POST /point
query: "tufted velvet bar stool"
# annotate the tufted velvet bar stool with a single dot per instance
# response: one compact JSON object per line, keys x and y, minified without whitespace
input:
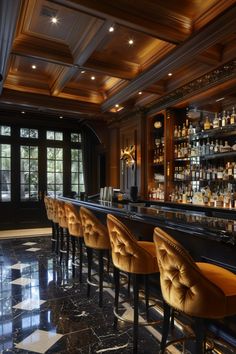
{"x":63,"y":227}
{"x":48,"y":202}
{"x":137,"y":258}
{"x":200,"y":290}
{"x":95,"y":238}
{"x":76,"y":232}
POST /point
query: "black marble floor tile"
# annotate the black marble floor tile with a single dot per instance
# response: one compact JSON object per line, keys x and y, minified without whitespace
{"x":84,"y":326}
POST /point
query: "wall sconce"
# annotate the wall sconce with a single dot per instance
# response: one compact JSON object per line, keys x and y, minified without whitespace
{"x":128,"y":155}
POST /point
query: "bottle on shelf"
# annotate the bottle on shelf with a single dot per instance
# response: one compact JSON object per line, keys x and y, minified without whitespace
{"x":232,"y":117}
{"x":224,"y":119}
{"x":216,"y":121}
{"x":207,"y":124}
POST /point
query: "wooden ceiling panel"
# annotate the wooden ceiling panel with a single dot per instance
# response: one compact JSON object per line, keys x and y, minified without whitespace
{"x":187,"y":38}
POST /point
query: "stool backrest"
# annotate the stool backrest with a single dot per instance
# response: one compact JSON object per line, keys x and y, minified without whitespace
{"x":127,"y":254}
{"x":61,"y":214}
{"x":183,"y":285}
{"x":49,"y":207}
{"x":95,"y":233}
{"x":73,"y":220}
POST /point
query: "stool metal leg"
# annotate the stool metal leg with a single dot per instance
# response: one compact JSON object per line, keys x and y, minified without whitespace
{"x":61,"y":231}
{"x":117,"y":291}
{"x":166,"y":325}
{"x":89,"y":257}
{"x":200,"y":336}
{"x":101,"y":266}
{"x":146,"y":282}
{"x":136,"y":303}
{"x":80,"y":258}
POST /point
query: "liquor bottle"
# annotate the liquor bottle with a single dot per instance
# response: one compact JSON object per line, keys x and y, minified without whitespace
{"x":203,"y":148}
{"x":207,"y":124}
{"x":183,"y":132}
{"x":232,"y":117}
{"x":179,"y":132}
{"x":215,"y":122}
{"x":216,"y":147}
{"x":220,"y":121}
{"x":212,"y":148}
{"x":208,"y":147}
{"x":228,"y":119}
{"x":224,"y":119}
{"x":176,"y":132}
{"x":190,"y":129}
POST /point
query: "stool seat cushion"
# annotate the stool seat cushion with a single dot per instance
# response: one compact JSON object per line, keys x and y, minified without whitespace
{"x":128,"y":254}
{"x":73,"y":220}
{"x":95,"y":233}
{"x":225,"y":280}
{"x":196,"y":289}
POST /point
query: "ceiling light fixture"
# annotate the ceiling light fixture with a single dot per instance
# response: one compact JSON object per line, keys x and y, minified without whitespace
{"x":82,"y":71}
{"x":220,"y":99}
{"x":22,"y":112}
{"x":116,"y":105}
{"x":111,"y":29}
{"x":140,"y":93}
{"x":92,"y":77}
{"x":33,"y":67}
{"x":170,"y":74}
{"x":61,"y":117}
{"x":131,"y":41}
{"x":54,"y":20}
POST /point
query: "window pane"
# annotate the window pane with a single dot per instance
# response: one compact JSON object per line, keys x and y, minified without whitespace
{"x":74,"y":167}
{"x":55,"y":171}
{"x":75,"y":188}
{"x":58,"y":136}
{"x":34,"y":133}
{"x":5,"y":172}
{"x":81,"y":178}
{"x":50,"y":135}
{"x":5,"y":130}
{"x":51,"y":153}
{"x":24,"y":152}
{"x":24,"y":133}
{"x":74,"y":154}
{"x":76,"y":138}
{"x":29,"y":172}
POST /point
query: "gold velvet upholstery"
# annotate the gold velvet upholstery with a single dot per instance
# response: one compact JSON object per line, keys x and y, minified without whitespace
{"x":73,"y":220}
{"x":55,"y":217}
{"x":49,"y":207}
{"x":94,"y":232}
{"x":197,"y":289}
{"x":61,"y":214}
{"x":128,"y":254}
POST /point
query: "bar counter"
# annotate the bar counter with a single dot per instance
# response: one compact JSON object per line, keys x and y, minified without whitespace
{"x":208,"y":239}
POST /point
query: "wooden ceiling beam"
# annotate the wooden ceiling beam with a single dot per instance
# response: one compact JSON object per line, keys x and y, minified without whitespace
{"x":9,"y":12}
{"x":212,"y":34}
{"x":47,"y":103}
{"x":67,"y":74}
{"x":149,"y":21}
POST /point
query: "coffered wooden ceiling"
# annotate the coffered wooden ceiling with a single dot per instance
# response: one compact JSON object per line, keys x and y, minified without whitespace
{"x":186,"y":38}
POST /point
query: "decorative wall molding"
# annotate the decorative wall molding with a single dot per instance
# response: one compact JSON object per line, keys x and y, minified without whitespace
{"x":203,"y":83}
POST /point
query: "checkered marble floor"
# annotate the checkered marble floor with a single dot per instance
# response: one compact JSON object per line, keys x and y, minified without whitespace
{"x":45,"y":309}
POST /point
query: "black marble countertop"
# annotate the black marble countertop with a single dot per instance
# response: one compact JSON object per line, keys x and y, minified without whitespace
{"x":193,"y":222}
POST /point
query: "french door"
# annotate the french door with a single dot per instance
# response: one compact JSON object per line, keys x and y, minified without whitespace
{"x":35,"y":162}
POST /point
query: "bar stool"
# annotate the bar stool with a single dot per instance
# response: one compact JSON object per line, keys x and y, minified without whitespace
{"x":48,"y":202}
{"x":200,"y":290}
{"x":133,"y":257}
{"x":76,"y":232}
{"x":63,"y":228}
{"x":55,"y":220}
{"x":95,"y":238}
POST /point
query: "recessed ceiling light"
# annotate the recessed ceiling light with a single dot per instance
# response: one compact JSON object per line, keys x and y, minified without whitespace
{"x":170,"y":74}
{"x":92,"y":77}
{"x":111,"y":29}
{"x":54,"y":20}
{"x":61,"y":117}
{"x":22,"y":112}
{"x":140,"y":93}
{"x":82,"y":71}
{"x":131,"y":41}
{"x":116,"y":105}
{"x":33,"y":67}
